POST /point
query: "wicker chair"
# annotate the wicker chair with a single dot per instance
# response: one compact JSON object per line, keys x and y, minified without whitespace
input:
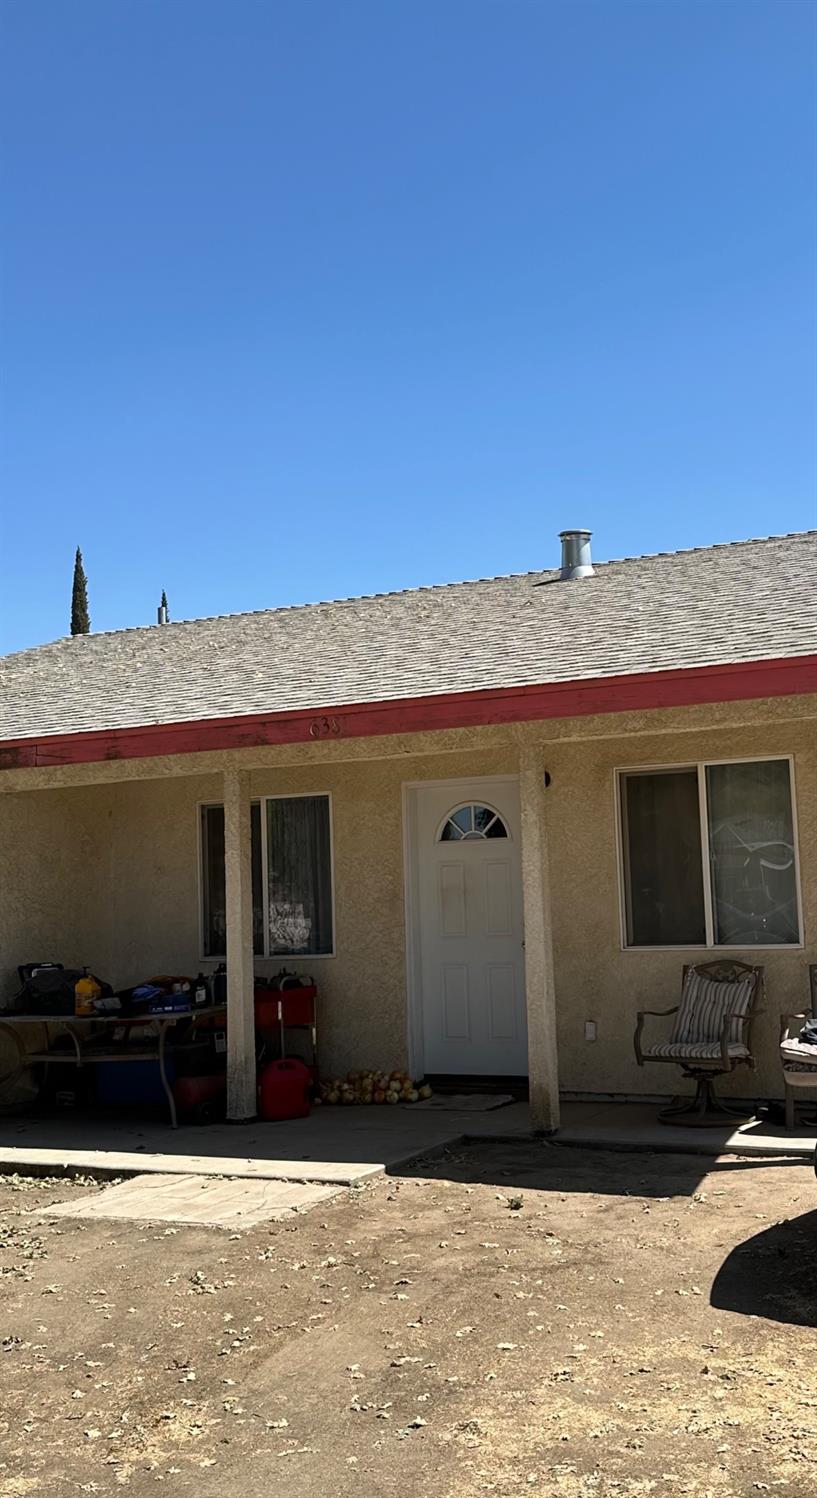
{"x":799,"y":1061}
{"x":711,"y":1037}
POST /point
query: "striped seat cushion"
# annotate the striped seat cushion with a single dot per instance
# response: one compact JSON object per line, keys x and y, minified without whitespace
{"x":694,"y":1050}
{"x":705,"y":1003}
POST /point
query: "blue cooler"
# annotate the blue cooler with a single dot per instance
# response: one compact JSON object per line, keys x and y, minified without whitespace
{"x":133,"y":1083}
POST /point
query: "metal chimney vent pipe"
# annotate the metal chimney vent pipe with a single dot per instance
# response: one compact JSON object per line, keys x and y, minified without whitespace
{"x":576,"y":560}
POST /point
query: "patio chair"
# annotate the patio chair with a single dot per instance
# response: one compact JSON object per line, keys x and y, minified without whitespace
{"x":798,"y":1059}
{"x":711,"y":1036}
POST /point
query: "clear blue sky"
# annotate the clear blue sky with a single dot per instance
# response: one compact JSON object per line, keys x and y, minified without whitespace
{"x":304,"y":299}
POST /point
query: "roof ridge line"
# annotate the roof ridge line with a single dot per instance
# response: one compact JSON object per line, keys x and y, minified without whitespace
{"x":322,"y":603}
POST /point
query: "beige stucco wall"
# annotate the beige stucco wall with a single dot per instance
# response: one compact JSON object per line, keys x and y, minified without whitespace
{"x":107,"y":873}
{"x":595,"y":979}
{"x":55,"y":889}
{"x":146,"y":860}
{"x":363,"y":987}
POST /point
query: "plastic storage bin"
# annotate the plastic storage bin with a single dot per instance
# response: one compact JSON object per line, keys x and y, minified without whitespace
{"x":297,"y":1004}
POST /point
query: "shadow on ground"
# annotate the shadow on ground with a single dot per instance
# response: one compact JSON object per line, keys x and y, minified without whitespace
{"x":772,"y":1274}
{"x":540,"y":1166}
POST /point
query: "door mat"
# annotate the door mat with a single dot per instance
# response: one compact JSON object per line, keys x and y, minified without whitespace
{"x":466,"y":1102}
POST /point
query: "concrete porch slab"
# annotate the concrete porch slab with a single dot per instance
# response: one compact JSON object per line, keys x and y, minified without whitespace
{"x":116,"y":1162}
{"x":196,"y":1201}
{"x":334,"y":1147}
{"x":635,"y":1126}
{"x":348,"y":1146}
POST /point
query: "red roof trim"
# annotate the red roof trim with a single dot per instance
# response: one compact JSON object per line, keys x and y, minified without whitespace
{"x":567,"y":699}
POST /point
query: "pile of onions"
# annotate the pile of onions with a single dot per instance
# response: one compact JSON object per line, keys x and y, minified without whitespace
{"x":372,"y":1087}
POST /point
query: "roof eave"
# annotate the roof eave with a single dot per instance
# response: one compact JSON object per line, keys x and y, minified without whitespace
{"x":777,"y":677}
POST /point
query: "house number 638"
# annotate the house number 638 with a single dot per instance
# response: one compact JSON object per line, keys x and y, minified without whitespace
{"x":324,"y":728}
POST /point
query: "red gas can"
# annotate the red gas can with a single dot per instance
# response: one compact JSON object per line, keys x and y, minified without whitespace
{"x":283,"y":1090}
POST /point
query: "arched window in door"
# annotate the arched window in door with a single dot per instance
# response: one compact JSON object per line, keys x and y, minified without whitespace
{"x":471,"y":822}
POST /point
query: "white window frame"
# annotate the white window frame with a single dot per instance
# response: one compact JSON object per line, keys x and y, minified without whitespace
{"x":267,"y":955}
{"x":700,"y":767}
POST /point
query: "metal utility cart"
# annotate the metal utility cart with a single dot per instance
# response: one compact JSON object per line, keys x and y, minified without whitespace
{"x":280,"y":1010}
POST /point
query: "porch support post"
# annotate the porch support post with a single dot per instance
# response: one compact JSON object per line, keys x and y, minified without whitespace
{"x":540,"y":991}
{"x":241,"y":1094}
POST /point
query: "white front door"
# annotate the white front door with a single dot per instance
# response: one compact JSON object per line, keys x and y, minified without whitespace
{"x":471,"y":965}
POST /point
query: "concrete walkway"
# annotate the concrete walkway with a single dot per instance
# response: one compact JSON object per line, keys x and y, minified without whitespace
{"x":345,"y":1147}
{"x":196,"y":1201}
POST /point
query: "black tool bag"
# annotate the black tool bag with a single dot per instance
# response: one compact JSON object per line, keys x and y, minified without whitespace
{"x":49,"y":989}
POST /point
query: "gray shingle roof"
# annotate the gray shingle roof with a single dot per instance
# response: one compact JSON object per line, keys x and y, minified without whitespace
{"x":749,"y":600}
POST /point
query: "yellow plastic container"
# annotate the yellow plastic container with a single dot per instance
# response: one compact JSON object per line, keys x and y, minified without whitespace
{"x":86,"y":992}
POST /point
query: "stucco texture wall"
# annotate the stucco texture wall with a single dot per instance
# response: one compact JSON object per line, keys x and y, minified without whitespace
{"x":594,"y":978}
{"x":107,"y":874}
{"x":128,"y":903}
{"x":55,"y":889}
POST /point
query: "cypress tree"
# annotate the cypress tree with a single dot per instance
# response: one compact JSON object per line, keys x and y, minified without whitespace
{"x":165,"y":607}
{"x":80,"y":619}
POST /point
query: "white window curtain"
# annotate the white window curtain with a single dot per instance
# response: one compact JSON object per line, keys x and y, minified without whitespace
{"x":751,"y":853}
{"x":299,"y":876}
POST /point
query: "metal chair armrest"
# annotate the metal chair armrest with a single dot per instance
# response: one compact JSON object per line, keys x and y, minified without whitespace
{"x":640,"y":1018}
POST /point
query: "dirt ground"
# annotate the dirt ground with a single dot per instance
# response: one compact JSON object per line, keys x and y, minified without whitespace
{"x":511,"y":1318}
